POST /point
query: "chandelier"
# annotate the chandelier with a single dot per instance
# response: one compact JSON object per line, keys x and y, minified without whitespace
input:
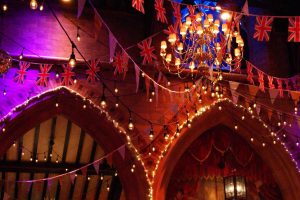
{"x":199,"y":44}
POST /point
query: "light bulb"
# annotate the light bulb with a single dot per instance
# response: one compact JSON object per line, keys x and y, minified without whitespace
{"x":41,"y":7}
{"x":72,"y":60}
{"x":4,"y":92}
{"x":151,"y":134}
{"x":33,"y":4}
{"x":4,"y":7}
{"x":103,"y":102}
{"x":116,"y":90}
{"x":130,"y":125}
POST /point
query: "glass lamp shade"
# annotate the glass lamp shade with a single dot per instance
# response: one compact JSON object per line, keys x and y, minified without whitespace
{"x":235,"y":188}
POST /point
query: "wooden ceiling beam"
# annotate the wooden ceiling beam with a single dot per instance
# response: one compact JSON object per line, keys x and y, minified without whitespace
{"x":51,"y":168}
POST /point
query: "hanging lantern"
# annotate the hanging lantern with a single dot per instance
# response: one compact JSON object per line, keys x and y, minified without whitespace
{"x":235,"y":188}
{"x":5,"y":61}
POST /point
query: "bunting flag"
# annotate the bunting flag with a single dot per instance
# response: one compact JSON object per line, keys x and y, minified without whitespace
{"x":147,"y":51}
{"x":21,"y":73}
{"x":72,"y":177}
{"x":43,"y":76}
{"x":147,"y":84}
{"x":28,"y":188}
{"x":245,"y":8}
{"x":295,"y":96}
{"x":49,"y":183}
{"x":96,"y":166}
{"x":92,"y":71}
{"x":137,"y":77}
{"x":269,"y":113}
{"x":191,"y":9}
{"x":253,"y":91}
{"x":138,"y":5}
{"x":176,"y":13}
{"x":118,"y":63}
{"x":171,"y":29}
{"x":294,"y":83}
{"x":235,"y":96}
{"x":273,"y":94}
{"x":263,"y":27}
{"x":67,"y":76}
{"x":160,"y":11}
{"x":279,"y":86}
{"x":233,"y":85}
{"x":294,"y":29}
{"x":112,"y":46}
{"x":261,"y":80}
{"x":270,"y":80}
{"x":97,"y":24}
{"x":125,"y":63}
{"x":122,"y":151}
{"x":109,"y":159}
{"x":258,"y":108}
{"x":81,"y":4}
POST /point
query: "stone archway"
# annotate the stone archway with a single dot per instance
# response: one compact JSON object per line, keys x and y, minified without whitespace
{"x":275,"y":156}
{"x":90,"y":120}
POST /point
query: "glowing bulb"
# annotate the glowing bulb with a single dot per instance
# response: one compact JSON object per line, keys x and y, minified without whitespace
{"x":116,"y":90}
{"x":235,"y":127}
{"x":41,"y":7}
{"x":130,"y":125}
{"x":33,"y":4}
{"x":103,"y":102}
{"x":4,"y":7}
{"x":4,"y":92}
{"x":252,"y":139}
{"x":72,"y":60}
{"x":151,"y":134}
{"x":163,"y":45}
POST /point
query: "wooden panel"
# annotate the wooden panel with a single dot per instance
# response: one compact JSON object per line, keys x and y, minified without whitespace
{"x":104,"y":192}
{"x":65,"y":189}
{"x":12,"y":153}
{"x":28,"y":144}
{"x":92,"y":187}
{"x":73,"y":143}
{"x":99,"y":153}
{"x":78,"y":187}
{"x":23,"y":189}
{"x":87,"y":148}
{"x":9,"y":187}
{"x":44,"y":137}
{"x":60,"y":134}
{"x":37,"y":188}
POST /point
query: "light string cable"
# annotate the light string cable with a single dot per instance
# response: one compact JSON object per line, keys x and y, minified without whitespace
{"x":100,"y":78}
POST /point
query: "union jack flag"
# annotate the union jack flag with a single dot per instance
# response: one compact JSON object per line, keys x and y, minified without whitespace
{"x":139,"y":5}
{"x":44,"y":74}
{"x":171,"y":29}
{"x":191,"y":9}
{"x":294,"y":29}
{"x":176,"y":13}
{"x":118,"y":63}
{"x":67,"y":76}
{"x":92,"y":71}
{"x":263,"y":27}
{"x":161,"y":11}
{"x":147,"y":51}
{"x":21,"y":73}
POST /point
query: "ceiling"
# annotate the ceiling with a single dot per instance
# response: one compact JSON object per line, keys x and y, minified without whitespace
{"x":73,"y":148}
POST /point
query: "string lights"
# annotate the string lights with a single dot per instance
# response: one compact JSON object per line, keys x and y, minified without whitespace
{"x":72,"y":59}
{"x":33,"y":4}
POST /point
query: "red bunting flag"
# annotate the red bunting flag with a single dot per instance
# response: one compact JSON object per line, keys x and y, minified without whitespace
{"x":92,"y":71}
{"x":191,"y":9}
{"x":261,"y":80}
{"x":21,"y":73}
{"x":122,"y":151}
{"x":171,"y":29}
{"x":263,"y":27}
{"x":294,"y":29}
{"x":67,"y":76}
{"x":279,"y":86}
{"x":147,"y":51}
{"x":96,"y":166}
{"x":249,"y":72}
{"x":138,"y":5}
{"x":60,"y":180}
{"x":118,"y":63}
{"x":271,"y":85}
{"x":72,"y":177}
{"x":176,"y":13}
{"x":160,"y":11}
{"x":44,"y":74}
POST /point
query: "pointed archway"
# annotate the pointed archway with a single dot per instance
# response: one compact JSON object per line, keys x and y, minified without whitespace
{"x":90,"y":119}
{"x":275,"y":156}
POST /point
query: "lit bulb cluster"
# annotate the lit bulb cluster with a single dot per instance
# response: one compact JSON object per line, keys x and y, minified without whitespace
{"x":196,"y":46}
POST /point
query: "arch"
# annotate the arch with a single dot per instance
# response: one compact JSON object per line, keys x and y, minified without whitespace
{"x":275,"y":156}
{"x":90,"y":120}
